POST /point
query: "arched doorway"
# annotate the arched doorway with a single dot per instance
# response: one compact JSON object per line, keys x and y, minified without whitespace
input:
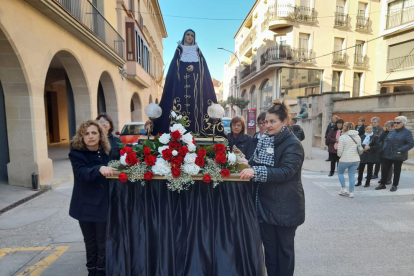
{"x":156,"y":101}
{"x":253,"y":97}
{"x":101,"y":99}
{"x":4,"y":149}
{"x":107,"y":100}
{"x":136,"y":108}
{"x":150,"y":99}
{"x":266,"y":95}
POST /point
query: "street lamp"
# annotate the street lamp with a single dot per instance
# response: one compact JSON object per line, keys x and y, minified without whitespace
{"x":238,"y":71}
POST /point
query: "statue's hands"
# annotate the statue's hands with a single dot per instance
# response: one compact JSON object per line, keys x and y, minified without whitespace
{"x":190,"y":68}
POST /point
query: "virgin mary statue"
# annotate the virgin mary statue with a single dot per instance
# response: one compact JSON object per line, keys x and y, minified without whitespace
{"x":188,"y":91}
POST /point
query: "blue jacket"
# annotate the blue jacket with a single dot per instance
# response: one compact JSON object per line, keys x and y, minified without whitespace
{"x":397,"y":144}
{"x":115,"y":155}
{"x":90,"y":191}
{"x":244,"y":143}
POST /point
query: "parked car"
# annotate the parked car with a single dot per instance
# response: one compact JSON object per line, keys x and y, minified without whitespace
{"x":131,"y":132}
{"x":226,"y":124}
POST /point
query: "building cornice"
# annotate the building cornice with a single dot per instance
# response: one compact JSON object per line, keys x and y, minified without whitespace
{"x":247,"y":18}
{"x":160,"y":18}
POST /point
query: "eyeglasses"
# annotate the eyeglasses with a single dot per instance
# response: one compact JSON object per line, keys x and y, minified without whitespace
{"x":397,"y":123}
{"x":103,"y":122}
{"x":262,"y":124}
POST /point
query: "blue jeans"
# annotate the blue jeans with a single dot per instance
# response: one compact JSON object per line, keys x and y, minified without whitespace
{"x":352,"y":167}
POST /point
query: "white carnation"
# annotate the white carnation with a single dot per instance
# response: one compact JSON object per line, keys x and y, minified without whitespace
{"x":173,"y":114}
{"x":178,"y":127}
{"x":174,"y":153}
{"x":160,"y":149}
{"x":190,"y":158}
{"x":161,"y":167}
{"x":231,"y":157}
{"x":122,"y":159}
{"x":191,"y":147}
{"x":165,"y":138}
{"x":191,"y":169}
{"x":187,"y":138}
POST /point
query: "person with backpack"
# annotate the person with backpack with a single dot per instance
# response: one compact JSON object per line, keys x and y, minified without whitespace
{"x":297,"y":130}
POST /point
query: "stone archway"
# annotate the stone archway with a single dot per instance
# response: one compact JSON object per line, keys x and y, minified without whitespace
{"x":136,"y":108}
{"x":109,"y":97}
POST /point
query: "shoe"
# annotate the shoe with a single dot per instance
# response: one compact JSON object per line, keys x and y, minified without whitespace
{"x":381,"y":187}
{"x":388,"y":182}
{"x":379,"y":181}
{"x":393,"y":188}
{"x":374,"y":176}
{"x":350,"y":194}
{"x":330,"y":174}
{"x":92,"y":271}
{"x":343,"y":192}
{"x":366,"y":185}
{"x":358,"y":184}
{"x":328,"y":160}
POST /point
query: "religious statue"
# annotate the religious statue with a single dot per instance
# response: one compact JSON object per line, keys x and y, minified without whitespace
{"x":188,"y":91}
{"x":303,"y":112}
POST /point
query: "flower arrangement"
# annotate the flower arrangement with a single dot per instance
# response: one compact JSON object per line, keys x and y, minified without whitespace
{"x":177,"y":157}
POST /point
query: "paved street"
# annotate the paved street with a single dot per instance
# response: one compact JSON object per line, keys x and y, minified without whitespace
{"x":370,"y":234}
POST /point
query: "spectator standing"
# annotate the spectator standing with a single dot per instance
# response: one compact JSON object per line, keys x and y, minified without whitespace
{"x":239,"y":138}
{"x":333,"y":139}
{"x":330,"y":126}
{"x":262,"y":127}
{"x":297,"y":130}
{"x":371,"y":145}
{"x":377,"y":129}
{"x":349,"y":157}
{"x":387,"y":128}
{"x":107,"y":124}
{"x":361,"y":126}
{"x":397,"y":144}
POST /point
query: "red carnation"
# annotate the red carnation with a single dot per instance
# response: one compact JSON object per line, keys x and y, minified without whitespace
{"x":202,"y":153}
{"x":167,"y":154}
{"x":122,"y":152}
{"x":123,"y":177}
{"x":150,"y":160}
{"x":219,"y":148}
{"x":148,"y":175}
{"x":183,"y":151}
{"x":200,"y":161}
{"x":131,"y":159}
{"x":127,"y":149}
{"x":207,"y":178}
{"x":176,"y":172}
{"x":147,"y":150}
{"x":174,"y":145}
{"x":194,"y":141}
{"x":220,"y":158}
{"x":225,"y":173}
{"x":176,"y":161}
{"x":176,"y":135}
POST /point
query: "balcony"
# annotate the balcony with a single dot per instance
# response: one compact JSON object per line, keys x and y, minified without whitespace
{"x":360,"y":61}
{"x":339,"y":58}
{"x":280,"y":15}
{"x":249,"y":69}
{"x":303,"y":55}
{"x":278,"y":53}
{"x":247,"y":43}
{"x":401,"y":17}
{"x":305,"y":14}
{"x":362,"y":23}
{"x":137,"y":74}
{"x":341,"y":20}
{"x":400,"y":63}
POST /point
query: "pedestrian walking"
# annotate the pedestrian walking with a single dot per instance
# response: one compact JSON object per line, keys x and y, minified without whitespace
{"x":361,"y":126}
{"x":377,"y":129}
{"x":262,"y":128}
{"x":387,"y":128}
{"x":297,"y":130}
{"x":330,"y":126}
{"x":348,"y":157}
{"x":239,"y":139}
{"x":371,"y":145}
{"x":397,"y":144}
{"x":280,"y":201}
{"x":107,"y":124}
{"x":333,"y":139}
{"x":89,"y":155}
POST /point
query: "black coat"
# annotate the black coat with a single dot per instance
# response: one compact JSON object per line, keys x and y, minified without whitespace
{"x":397,"y":144}
{"x":298,"y":131}
{"x":328,"y":130}
{"x":281,"y":198}
{"x":360,"y":129}
{"x":371,"y":155}
{"x":90,"y":190}
{"x":378,"y":130}
{"x":244,"y":143}
{"x":115,"y":155}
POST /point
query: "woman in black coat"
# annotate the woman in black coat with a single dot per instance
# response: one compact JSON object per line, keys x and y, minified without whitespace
{"x":280,"y":201}
{"x":239,"y":139}
{"x":372,"y":145}
{"x":89,"y":156}
{"x":332,"y":140}
{"x":107,"y":125}
{"x":397,"y":144}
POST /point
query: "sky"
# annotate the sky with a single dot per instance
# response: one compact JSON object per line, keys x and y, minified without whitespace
{"x":210,"y":34}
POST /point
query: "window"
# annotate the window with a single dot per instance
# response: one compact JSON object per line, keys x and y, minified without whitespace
{"x":295,"y":83}
{"x":253,"y":97}
{"x":400,"y":12}
{"x":401,"y":56}
{"x":303,"y":47}
{"x":336,"y":81}
{"x":266,"y":95}
{"x":356,"y":89}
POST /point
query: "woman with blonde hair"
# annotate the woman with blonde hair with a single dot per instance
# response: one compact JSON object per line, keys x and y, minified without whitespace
{"x":348,"y":157}
{"x":89,"y":155}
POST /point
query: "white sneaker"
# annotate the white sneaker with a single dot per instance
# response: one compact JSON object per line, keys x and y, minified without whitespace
{"x":343,"y":192}
{"x":350,"y":194}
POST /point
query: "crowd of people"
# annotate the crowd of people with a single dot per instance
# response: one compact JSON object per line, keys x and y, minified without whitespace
{"x":368,"y":146}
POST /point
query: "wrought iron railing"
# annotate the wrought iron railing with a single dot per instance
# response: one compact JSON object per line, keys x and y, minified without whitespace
{"x":339,"y":58}
{"x":341,"y":19}
{"x":245,"y":72}
{"x":305,"y":13}
{"x":302,"y":55}
{"x":360,"y":61}
{"x":281,"y":11}
{"x":276,"y":53}
{"x":362,"y":23}
{"x":400,"y":63}
{"x":89,"y":16}
{"x":400,"y":17}
{"x":253,"y":66}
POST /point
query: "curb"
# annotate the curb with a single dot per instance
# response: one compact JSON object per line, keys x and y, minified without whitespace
{"x":21,"y":201}
{"x":323,"y":171}
{"x":55,"y":183}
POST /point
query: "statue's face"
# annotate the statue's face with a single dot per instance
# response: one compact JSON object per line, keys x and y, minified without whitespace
{"x":189,"y":38}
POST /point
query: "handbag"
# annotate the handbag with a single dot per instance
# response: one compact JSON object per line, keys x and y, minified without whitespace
{"x":359,"y":147}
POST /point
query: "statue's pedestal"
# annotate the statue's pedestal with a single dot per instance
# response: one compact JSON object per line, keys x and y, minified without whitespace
{"x":200,"y":141}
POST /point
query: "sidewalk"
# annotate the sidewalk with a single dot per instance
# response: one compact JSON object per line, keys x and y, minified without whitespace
{"x":318,"y":163}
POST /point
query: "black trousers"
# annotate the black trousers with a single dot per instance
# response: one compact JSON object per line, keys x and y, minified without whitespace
{"x":361,"y":172}
{"x":94,"y":236}
{"x":377,"y":168}
{"x":390,"y":172}
{"x":386,"y":169}
{"x":279,"y":246}
{"x":334,"y":160}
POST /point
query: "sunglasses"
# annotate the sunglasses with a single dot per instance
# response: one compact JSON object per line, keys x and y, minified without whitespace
{"x":397,"y":123}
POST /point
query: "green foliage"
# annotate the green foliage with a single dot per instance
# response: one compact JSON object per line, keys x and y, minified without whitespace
{"x":239,"y":102}
{"x":223,"y":103}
